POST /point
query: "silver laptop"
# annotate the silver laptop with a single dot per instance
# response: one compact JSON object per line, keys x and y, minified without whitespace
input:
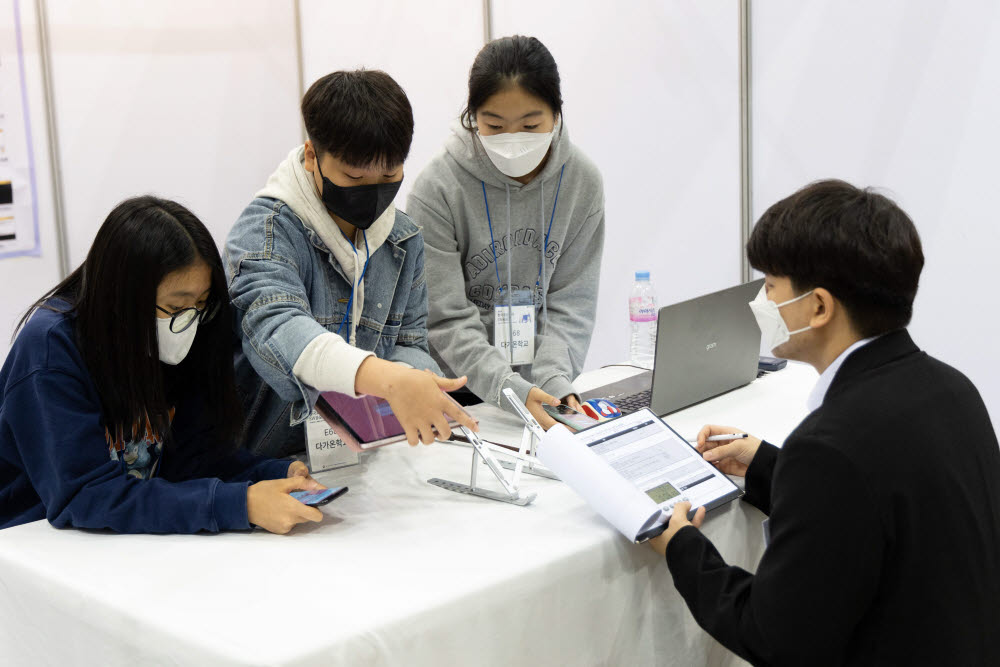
{"x":704,"y":347}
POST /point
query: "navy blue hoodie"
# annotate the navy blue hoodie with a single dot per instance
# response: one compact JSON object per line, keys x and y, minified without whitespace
{"x":58,"y":462}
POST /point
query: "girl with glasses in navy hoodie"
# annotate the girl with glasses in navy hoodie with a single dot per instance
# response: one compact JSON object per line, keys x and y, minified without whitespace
{"x":118,"y":408}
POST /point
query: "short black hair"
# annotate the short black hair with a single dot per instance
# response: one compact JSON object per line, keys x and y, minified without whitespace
{"x":361,"y":117}
{"x":856,"y":243}
{"x":509,"y":61}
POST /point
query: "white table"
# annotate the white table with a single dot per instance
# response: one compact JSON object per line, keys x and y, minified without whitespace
{"x":400,"y":572}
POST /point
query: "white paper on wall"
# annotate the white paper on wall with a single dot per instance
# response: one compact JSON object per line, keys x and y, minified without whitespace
{"x":18,"y":193}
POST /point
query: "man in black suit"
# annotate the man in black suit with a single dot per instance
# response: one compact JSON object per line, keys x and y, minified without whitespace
{"x":884,"y":503}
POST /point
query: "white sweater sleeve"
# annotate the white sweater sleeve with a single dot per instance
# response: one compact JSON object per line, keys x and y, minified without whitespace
{"x":329,"y":363}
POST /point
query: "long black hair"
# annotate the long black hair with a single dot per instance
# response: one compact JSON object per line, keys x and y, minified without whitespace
{"x":509,"y":61}
{"x":113,"y":297}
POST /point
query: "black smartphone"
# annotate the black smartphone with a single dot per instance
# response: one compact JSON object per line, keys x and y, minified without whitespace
{"x":317,"y":498}
{"x":771,"y":364}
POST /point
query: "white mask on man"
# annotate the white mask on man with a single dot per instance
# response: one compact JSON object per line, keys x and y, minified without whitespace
{"x":773,"y":330}
{"x":517,"y":153}
{"x":173,"y":347}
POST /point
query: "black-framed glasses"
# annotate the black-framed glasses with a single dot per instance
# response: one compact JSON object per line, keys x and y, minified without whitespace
{"x":183,"y":319}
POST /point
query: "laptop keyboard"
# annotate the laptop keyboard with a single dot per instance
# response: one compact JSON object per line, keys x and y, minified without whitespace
{"x":633,"y":402}
{"x":630,"y":403}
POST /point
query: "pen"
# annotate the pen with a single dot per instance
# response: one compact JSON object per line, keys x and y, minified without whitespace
{"x":724,"y":436}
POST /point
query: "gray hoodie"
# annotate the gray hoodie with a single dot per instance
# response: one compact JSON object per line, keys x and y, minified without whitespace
{"x":447,"y":201}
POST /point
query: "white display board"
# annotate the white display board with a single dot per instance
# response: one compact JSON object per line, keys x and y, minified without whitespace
{"x":193,"y":101}
{"x":25,"y":278}
{"x":651,"y":95}
{"x":18,"y":192}
{"x":901,"y":95}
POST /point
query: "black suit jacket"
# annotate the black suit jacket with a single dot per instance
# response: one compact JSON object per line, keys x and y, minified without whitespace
{"x":884,"y":509}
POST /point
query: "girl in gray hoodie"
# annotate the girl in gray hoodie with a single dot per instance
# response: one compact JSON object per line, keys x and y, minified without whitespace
{"x":512,"y":213}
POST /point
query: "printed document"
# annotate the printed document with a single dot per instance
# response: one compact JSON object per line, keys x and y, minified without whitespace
{"x":633,"y":470}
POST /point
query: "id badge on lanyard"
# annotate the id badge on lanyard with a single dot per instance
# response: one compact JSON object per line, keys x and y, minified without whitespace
{"x":514,"y":328}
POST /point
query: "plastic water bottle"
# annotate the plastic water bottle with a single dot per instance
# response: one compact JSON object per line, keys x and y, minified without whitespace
{"x":642,"y":320}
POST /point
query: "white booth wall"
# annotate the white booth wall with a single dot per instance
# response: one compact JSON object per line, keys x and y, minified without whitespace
{"x":199,"y":102}
{"x":149,"y":100}
{"x":24,"y":279}
{"x":903,"y":96}
{"x":193,"y":101}
{"x":187,"y":100}
{"x":651,"y":95}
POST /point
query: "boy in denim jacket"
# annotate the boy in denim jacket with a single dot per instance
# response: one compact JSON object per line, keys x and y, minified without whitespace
{"x":327,"y":277}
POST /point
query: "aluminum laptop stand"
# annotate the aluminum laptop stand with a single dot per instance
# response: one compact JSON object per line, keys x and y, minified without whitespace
{"x":529,"y":442}
{"x":511,"y":494}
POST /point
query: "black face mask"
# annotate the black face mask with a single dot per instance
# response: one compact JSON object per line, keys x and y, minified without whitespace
{"x":360,"y":205}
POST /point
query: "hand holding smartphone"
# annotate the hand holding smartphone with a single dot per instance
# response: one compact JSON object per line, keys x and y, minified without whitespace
{"x":318,"y":498}
{"x":574,"y":419}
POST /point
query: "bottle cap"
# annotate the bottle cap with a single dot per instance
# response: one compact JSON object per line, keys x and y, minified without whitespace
{"x":642,"y":275}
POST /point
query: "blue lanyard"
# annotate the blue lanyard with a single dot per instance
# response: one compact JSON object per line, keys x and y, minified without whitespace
{"x":368,"y":258}
{"x":549,"y":230}
{"x":489,"y":221}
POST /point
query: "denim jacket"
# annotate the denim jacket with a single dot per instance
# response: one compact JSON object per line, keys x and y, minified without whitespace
{"x":287,"y":288}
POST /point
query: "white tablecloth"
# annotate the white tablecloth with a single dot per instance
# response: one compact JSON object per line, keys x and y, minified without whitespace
{"x":400,"y":572}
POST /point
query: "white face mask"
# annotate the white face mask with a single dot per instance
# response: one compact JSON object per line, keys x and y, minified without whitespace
{"x":173,"y":347}
{"x":517,"y":153}
{"x":773,"y":330}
